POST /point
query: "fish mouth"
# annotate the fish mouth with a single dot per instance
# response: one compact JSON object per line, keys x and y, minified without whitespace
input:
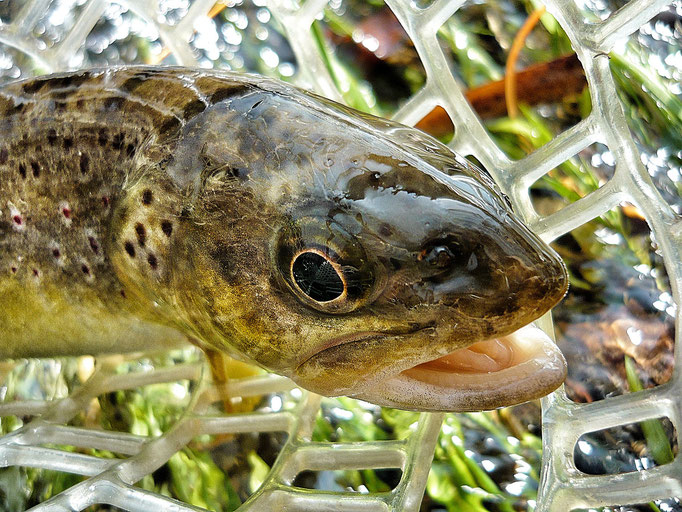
{"x":496,"y":372}
{"x":489,"y":374}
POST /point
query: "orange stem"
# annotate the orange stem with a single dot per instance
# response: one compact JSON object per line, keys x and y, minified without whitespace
{"x":510,"y":68}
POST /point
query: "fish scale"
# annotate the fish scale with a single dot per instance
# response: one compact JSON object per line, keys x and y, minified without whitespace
{"x":69,"y":145}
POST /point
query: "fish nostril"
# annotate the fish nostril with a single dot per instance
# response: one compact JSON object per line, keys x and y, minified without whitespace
{"x":446,"y":253}
{"x":439,"y":256}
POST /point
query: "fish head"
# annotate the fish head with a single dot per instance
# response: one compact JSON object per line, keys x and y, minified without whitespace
{"x":367,"y":260}
{"x":430,"y":283}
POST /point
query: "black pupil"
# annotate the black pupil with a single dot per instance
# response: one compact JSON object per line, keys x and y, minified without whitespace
{"x":316,"y":277}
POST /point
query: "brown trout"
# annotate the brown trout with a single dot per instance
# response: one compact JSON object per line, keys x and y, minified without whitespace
{"x":143,"y":207}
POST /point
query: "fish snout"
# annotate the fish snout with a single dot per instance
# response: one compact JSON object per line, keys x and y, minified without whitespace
{"x":502,"y":276}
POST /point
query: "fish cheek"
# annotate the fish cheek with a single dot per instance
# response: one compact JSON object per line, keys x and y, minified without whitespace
{"x":240,"y":310}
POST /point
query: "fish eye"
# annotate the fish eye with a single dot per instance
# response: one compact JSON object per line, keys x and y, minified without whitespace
{"x":326,"y":268}
{"x":317,"y":276}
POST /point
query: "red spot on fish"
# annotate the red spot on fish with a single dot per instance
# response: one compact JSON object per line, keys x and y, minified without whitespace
{"x":66,"y":211}
{"x":17,"y":220}
{"x":106,"y":201}
{"x":36,"y":272}
{"x":56,"y":253}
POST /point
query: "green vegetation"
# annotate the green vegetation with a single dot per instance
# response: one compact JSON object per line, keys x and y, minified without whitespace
{"x":656,"y":438}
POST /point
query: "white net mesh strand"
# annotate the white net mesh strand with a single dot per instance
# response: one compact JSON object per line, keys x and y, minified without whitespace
{"x":562,"y":487}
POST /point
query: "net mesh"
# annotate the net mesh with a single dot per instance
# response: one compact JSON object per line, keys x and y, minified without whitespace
{"x":563,"y":487}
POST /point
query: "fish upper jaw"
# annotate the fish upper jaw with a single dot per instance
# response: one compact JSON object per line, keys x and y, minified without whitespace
{"x":498,"y":372}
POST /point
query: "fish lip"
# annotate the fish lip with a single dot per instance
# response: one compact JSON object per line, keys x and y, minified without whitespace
{"x":539,"y":374}
{"x":361,"y":336}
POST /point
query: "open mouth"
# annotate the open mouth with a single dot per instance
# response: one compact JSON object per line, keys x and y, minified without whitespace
{"x":498,"y":372}
{"x":484,"y":358}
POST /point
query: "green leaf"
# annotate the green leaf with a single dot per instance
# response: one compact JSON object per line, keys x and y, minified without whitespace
{"x":259,"y":471}
{"x":656,"y":438}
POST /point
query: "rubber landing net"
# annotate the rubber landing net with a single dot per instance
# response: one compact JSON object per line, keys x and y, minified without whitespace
{"x":38,"y":442}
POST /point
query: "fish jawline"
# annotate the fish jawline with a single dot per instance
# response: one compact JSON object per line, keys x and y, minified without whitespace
{"x":489,"y":374}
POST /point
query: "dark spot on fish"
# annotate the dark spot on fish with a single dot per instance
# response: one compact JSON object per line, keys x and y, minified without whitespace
{"x":222,"y":94}
{"x":171,"y":125}
{"x":67,"y":142}
{"x":132,"y":83}
{"x":51,"y":136}
{"x":103,"y":137}
{"x":4,"y":155}
{"x":85,"y":269}
{"x":93,"y":244}
{"x":36,"y":272}
{"x":136,"y":80}
{"x":113,"y":103}
{"x":385,"y":230}
{"x":34,"y":86}
{"x":130,"y":150}
{"x":71,"y":81}
{"x":130,"y":248}
{"x":60,"y":106}
{"x":105,"y":201}
{"x":123,"y":294}
{"x":223,"y":257}
{"x":14,"y":270}
{"x":167,"y":228}
{"x":18,"y":220}
{"x":118,"y":140}
{"x":147,"y":197}
{"x":84,"y":163}
{"x":22,"y":171}
{"x":35,"y":167}
{"x":16,"y":109}
{"x":56,"y":253}
{"x":66,"y":211}
{"x":192,"y":109}
{"x":151,"y":259}
{"x":80,"y":104}
{"x":141,"y":234}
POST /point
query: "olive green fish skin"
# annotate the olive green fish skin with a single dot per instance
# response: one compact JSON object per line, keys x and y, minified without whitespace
{"x":145,"y":206}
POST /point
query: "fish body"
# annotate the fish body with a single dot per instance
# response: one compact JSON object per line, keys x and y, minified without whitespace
{"x":143,"y":207}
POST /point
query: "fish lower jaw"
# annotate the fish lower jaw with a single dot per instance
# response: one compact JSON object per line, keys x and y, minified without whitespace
{"x":486,"y":375}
